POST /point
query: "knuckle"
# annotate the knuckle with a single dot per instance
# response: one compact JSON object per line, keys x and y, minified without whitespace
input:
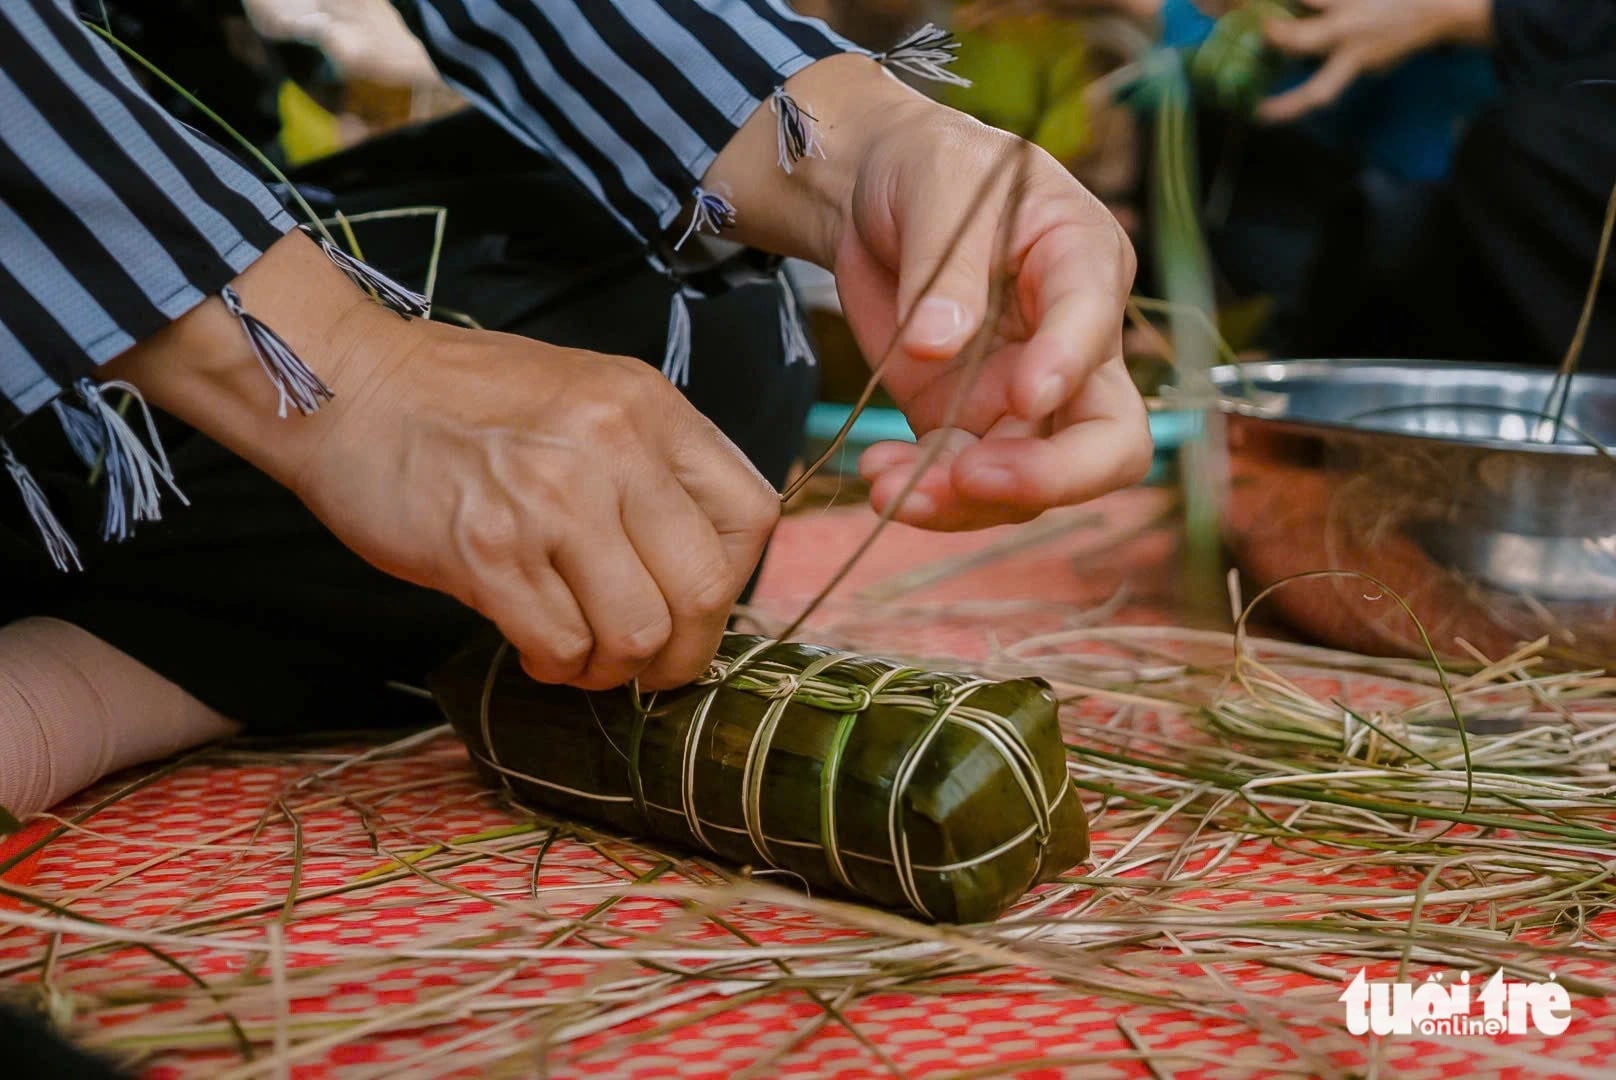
{"x":714,"y":592}
{"x":761,"y":513}
{"x":570,"y":652}
{"x":490,"y":534}
{"x":606,"y":418}
{"x":638,"y":385}
{"x":636,"y":644}
{"x":550,"y":656}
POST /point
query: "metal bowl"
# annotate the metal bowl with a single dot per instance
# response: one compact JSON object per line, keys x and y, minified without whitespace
{"x":1449,"y":483}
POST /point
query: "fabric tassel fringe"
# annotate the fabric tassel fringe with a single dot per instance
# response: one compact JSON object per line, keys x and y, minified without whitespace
{"x":64,"y":554}
{"x":795,"y":128}
{"x":710,"y":212}
{"x":293,"y":380}
{"x":83,"y":432}
{"x":133,"y":493}
{"x":793,"y":334}
{"x":406,"y":302}
{"x":926,"y":54}
{"x":676,"y":358}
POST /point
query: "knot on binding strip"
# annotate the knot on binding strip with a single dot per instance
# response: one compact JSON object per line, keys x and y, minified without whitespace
{"x":709,"y":212}
{"x":796,"y":129}
{"x":64,"y":554}
{"x":406,"y":302}
{"x":294,"y":383}
{"x":926,"y":54}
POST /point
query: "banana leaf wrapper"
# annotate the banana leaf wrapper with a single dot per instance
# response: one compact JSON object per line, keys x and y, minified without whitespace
{"x":946,"y":794}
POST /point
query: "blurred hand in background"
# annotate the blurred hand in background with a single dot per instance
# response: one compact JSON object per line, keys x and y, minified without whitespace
{"x":1357,"y":37}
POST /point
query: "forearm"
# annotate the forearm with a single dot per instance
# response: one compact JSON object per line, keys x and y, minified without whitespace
{"x":202,"y":368}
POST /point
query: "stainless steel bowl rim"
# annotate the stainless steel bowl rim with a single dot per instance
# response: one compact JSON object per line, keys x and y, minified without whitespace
{"x":1232,"y":380}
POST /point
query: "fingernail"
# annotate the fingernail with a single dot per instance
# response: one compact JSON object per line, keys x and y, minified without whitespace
{"x":1050,"y":395}
{"x":938,"y":322}
{"x":918,"y":505}
{"x":991,"y":479}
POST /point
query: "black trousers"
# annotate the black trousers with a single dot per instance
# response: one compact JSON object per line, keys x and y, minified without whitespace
{"x":243,"y":598}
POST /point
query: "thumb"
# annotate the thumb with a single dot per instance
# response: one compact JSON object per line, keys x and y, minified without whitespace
{"x":943,"y":284}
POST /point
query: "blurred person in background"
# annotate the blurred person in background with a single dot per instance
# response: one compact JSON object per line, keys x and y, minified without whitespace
{"x":1425,"y":178}
{"x":1499,"y":254}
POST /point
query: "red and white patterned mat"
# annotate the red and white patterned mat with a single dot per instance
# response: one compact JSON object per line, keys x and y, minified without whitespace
{"x":201,"y":844}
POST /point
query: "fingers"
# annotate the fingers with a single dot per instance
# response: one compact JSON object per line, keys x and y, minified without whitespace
{"x":698,"y":582}
{"x":1017,"y":470}
{"x":932,"y":501}
{"x":530,"y":604}
{"x":943,"y":283}
{"x":1324,"y":87}
{"x":538,"y":615}
{"x":1312,"y":36}
{"x":1328,"y":35}
{"x":660,"y":541}
{"x":1106,"y":446}
{"x":1076,"y":278}
{"x":734,"y":498}
{"x":627,"y":615}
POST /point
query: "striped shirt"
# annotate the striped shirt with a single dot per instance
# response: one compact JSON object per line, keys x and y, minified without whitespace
{"x":116,"y":219}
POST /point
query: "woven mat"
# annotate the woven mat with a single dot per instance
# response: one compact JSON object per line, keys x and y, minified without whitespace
{"x":203,"y":847}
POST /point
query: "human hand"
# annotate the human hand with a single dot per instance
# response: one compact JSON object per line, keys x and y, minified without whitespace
{"x":1049,"y":415}
{"x":1357,"y":37}
{"x":575,"y":499}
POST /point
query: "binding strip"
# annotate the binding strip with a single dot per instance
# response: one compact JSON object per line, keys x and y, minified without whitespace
{"x":752,"y":772}
{"x":925,"y":54}
{"x":64,"y":554}
{"x":793,"y":334}
{"x":710,"y":212}
{"x":687,"y":789}
{"x":294,"y":382}
{"x":796,"y":129}
{"x":954,"y":698}
{"x":407,"y":302}
{"x":133,"y":472}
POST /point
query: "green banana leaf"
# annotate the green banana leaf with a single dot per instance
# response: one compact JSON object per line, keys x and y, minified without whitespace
{"x":941,"y":793}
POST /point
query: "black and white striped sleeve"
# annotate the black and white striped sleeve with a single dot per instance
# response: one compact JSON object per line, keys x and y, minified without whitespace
{"x":634,"y":97}
{"x":115,"y":219}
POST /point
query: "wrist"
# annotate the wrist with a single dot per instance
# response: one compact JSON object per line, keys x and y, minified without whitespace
{"x":803,"y":213}
{"x":202,"y":369}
